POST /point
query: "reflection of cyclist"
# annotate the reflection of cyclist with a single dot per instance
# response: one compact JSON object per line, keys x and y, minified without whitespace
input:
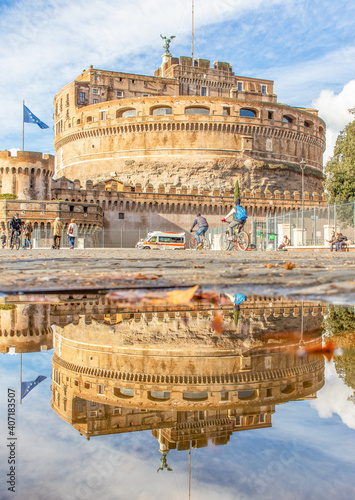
{"x":239,"y":217}
{"x":15,"y":224}
{"x":202,"y":224}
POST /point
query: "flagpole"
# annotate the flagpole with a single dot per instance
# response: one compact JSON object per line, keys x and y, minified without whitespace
{"x":23,"y":127}
{"x":192,"y":34}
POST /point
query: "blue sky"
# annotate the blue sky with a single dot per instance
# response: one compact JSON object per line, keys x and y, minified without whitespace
{"x":306,"y":46}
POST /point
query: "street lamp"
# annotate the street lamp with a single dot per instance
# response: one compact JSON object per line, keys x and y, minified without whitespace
{"x":302,"y":165}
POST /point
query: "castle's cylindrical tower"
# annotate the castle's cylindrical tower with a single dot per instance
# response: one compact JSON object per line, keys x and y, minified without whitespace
{"x":193,"y":140}
{"x":27,"y":175}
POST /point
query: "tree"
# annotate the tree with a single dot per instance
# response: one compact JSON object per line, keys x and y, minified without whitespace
{"x":340,"y":174}
{"x":236,"y":190}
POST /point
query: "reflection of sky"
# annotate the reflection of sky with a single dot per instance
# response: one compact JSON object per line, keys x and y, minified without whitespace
{"x":302,"y":456}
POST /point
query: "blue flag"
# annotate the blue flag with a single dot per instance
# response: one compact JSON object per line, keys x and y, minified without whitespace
{"x":29,"y":117}
{"x":26,"y":387}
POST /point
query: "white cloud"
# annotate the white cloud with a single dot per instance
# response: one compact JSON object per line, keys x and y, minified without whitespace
{"x":333,"y":398}
{"x":333,"y":108}
{"x":47,"y":43}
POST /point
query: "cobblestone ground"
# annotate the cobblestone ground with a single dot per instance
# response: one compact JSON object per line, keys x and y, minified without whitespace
{"x":324,"y":275}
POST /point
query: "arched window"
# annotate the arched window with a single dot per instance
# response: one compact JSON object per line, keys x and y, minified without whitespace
{"x":197,"y":111}
{"x":89,"y":119}
{"x":161,"y":111}
{"x":126,"y":113}
{"x":308,"y":124}
{"x":287,"y":119}
{"x":247,"y":113}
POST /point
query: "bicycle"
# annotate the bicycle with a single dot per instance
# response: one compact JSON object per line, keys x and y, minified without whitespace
{"x":240,"y":239}
{"x":16,"y":240}
{"x":204,"y":243}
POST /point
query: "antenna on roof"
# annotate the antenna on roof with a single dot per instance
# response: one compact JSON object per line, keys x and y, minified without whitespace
{"x":192,"y":37}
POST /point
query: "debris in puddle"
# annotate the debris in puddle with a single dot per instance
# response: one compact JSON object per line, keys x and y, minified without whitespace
{"x":217,"y":324}
{"x":329,"y":350}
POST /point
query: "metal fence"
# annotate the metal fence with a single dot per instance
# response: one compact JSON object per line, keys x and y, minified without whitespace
{"x":312,"y":227}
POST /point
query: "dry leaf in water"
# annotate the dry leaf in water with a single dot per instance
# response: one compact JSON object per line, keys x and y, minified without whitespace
{"x":217,"y":324}
{"x":181,"y":296}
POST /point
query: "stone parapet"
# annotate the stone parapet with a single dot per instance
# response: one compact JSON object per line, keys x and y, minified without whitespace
{"x":88,"y":216}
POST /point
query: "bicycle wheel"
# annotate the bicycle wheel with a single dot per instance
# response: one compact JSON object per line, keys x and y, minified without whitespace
{"x":17,"y":243}
{"x":225,"y":243}
{"x":193,"y":243}
{"x":206,"y":244}
{"x":243,"y":240}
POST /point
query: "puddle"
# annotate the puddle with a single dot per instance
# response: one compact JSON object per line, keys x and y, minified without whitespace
{"x":156,"y":396}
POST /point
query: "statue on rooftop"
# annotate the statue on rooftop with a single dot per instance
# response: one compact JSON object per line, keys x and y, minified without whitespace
{"x":166,"y":45}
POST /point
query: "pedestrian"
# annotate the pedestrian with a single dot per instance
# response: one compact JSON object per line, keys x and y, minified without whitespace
{"x":3,"y":239}
{"x":57,"y":232}
{"x":72,"y":233}
{"x":285,"y":243}
{"x":332,"y":240}
{"x":27,"y":234}
{"x":340,"y":242}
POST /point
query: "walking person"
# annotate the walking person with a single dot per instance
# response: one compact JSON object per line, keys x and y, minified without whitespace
{"x":58,"y":227}
{"x":27,"y":234}
{"x":3,"y":239}
{"x":72,"y":233}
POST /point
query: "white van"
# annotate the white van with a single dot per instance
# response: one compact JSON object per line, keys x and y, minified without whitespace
{"x":162,"y":239}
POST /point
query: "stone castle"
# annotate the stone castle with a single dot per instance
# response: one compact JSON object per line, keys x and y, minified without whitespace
{"x":136,"y":151}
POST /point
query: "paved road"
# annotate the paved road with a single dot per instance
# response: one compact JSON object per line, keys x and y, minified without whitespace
{"x":330,"y":276}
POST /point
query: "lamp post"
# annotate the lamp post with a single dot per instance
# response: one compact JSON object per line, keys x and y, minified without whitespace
{"x":302,"y":165}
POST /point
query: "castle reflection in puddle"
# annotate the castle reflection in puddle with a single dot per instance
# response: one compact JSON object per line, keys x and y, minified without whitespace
{"x":166,"y":369}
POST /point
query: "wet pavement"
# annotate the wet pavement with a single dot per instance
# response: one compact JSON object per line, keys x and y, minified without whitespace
{"x":330,"y":276}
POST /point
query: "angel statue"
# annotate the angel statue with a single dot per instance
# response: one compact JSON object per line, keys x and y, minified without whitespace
{"x":166,"y":45}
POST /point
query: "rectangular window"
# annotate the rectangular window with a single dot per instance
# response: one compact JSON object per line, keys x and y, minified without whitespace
{"x":203,"y":91}
{"x":95,"y":91}
{"x":270,"y":115}
{"x":82,"y":96}
{"x":100,"y":389}
{"x":224,"y":396}
{"x":121,"y":215}
{"x":240,"y":86}
{"x":262,"y":418}
{"x":268,"y":393}
{"x":263,"y":89}
{"x":95,"y":101}
{"x":71,"y":208}
{"x":102,"y":115}
{"x":237,"y":420}
{"x":119,"y":93}
{"x":226,"y":111}
{"x":67,"y":100}
{"x":96,"y":78}
{"x":133,"y":81}
{"x":164,"y":239}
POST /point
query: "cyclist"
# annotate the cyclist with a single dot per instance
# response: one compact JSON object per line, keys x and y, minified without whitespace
{"x":239,"y":217}
{"x":15,"y":224}
{"x":202,"y":224}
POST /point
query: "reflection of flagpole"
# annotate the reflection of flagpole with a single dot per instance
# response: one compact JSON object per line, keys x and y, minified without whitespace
{"x":21,"y":382}
{"x":23,"y":127}
{"x":190,"y":471}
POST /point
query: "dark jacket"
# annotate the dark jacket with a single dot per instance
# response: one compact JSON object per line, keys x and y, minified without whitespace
{"x":200,"y":221}
{"x":15,"y":224}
